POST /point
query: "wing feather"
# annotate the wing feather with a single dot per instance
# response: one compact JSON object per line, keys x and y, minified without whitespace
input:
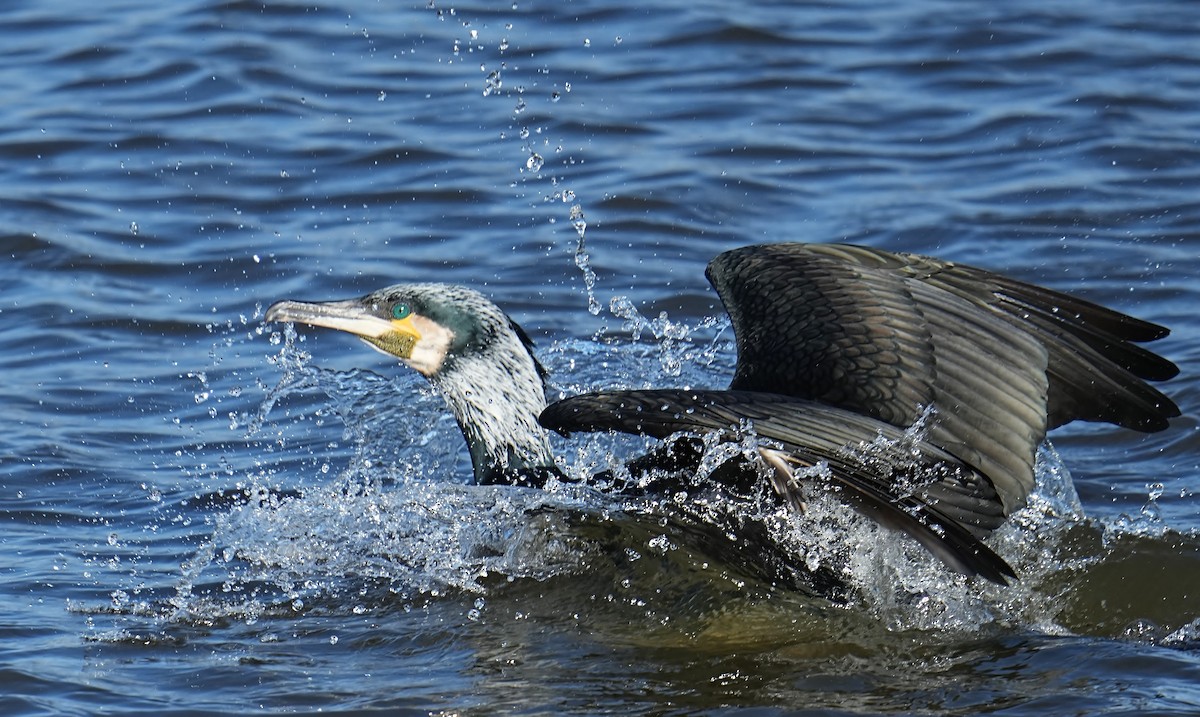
{"x":886,"y":334}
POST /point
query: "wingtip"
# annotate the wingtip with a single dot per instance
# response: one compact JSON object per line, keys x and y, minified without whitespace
{"x":995,"y":569}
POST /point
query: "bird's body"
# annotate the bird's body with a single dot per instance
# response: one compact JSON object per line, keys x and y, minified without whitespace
{"x":837,"y":346}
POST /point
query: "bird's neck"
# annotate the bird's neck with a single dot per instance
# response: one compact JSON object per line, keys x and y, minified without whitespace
{"x":496,"y":399}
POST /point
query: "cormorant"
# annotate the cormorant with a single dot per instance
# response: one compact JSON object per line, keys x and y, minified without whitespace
{"x":838,"y":345}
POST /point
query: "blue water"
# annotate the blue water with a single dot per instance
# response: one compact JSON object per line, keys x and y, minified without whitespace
{"x":204,"y":514}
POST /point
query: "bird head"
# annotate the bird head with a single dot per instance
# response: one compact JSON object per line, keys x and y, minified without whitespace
{"x":427,"y":326}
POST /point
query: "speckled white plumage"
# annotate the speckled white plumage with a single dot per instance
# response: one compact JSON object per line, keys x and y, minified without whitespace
{"x":496,"y":392}
{"x":472,"y":353}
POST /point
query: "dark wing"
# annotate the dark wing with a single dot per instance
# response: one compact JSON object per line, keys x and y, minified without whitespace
{"x":1096,"y":370}
{"x":887,"y":335}
{"x":906,"y":485}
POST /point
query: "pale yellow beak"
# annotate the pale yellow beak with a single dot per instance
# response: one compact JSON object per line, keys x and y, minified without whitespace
{"x":392,"y":336}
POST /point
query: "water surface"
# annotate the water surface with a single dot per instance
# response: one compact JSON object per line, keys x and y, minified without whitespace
{"x":203,"y":514}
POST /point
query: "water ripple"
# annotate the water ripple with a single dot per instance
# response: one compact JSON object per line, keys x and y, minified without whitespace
{"x":167,"y":171}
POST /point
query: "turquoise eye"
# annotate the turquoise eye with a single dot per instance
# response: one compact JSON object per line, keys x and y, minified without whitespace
{"x":401,"y":311}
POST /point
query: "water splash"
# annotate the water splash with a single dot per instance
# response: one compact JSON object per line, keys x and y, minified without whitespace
{"x":531,"y":170}
{"x":583,"y":260}
{"x":676,"y":350}
{"x":419,"y":537}
{"x":911,"y":591}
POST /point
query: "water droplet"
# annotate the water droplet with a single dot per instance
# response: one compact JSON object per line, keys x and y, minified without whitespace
{"x":1142,"y":630}
{"x":382,"y":95}
{"x":583,"y":262}
{"x":133,"y":228}
{"x":535,"y":162}
{"x":578,"y":221}
{"x":492,"y":84}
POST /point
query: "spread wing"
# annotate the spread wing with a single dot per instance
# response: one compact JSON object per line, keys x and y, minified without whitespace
{"x":839,"y":344}
{"x":887,"y":335}
{"x":905,"y":485}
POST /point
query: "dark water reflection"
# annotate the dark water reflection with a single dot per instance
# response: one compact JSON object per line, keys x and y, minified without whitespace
{"x":202,"y":515}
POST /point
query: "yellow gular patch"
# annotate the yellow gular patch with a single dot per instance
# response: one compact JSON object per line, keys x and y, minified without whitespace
{"x":398,"y":340}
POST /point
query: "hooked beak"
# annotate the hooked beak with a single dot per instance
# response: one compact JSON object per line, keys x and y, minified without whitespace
{"x":396,"y":337}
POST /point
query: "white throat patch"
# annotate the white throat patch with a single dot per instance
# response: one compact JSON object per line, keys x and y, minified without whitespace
{"x":429,"y":354}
